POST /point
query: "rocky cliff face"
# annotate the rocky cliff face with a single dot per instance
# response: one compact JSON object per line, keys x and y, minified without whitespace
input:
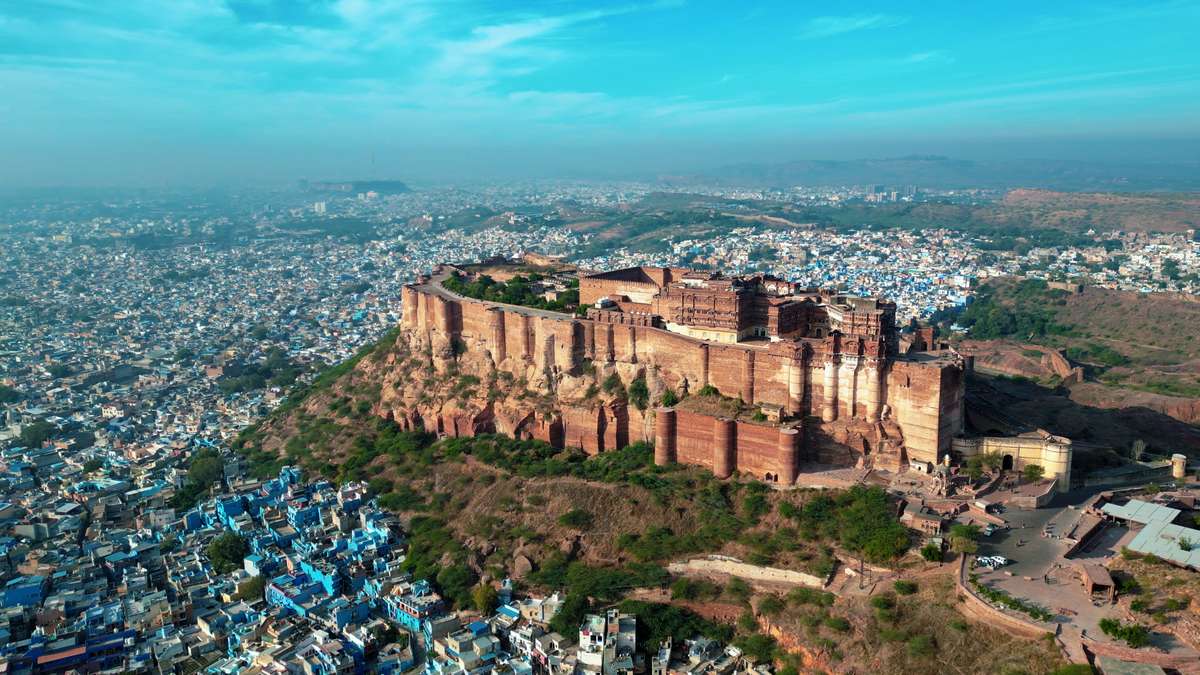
{"x":458,"y":388}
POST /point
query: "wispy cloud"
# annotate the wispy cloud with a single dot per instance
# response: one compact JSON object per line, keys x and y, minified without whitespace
{"x":829,"y":26}
{"x":1120,"y":13}
{"x":932,"y":56}
{"x":478,"y":53}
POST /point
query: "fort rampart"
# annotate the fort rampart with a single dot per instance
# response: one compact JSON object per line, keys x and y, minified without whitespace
{"x":832,"y":380}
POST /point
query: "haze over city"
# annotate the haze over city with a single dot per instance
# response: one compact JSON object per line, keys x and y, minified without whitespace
{"x":214,"y":91}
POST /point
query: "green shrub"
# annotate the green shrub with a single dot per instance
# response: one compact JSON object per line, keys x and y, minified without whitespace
{"x":810,"y":596}
{"x":932,"y":552}
{"x":612,"y":385}
{"x":684,"y":588}
{"x":639,"y":393}
{"x":771,"y":605}
{"x":576,"y":519}
{"x":904,"y":587}
{"x":738,"y":589}
{"x":920,"y":646}
{"x":837,"y":623}
{"x":757,"y":647}
{"x":1133,"y":634}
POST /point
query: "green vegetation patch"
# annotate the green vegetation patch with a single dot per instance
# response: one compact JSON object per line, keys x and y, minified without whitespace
{"x":519,"y":290}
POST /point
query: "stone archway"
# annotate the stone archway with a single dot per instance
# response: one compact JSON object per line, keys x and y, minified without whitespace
{"x":1007,"y":464}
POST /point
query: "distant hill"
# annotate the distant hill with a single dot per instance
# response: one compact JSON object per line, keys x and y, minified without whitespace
{"x":947,"y":173}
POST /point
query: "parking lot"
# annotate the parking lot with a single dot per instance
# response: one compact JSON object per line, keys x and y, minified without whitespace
{"x":1030,"y":554}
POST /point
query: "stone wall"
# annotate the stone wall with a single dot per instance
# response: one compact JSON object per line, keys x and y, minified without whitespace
{"x":977,"y":608}
{"x":1052,"y":453}
{"x":847,"y":381}
{"x":768,"y":452}
{"x":754,"y":573}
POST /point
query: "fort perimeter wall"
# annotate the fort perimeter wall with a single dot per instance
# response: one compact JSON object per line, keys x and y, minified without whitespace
{"x":834,"y":378}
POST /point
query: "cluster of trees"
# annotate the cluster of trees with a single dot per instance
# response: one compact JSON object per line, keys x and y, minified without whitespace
{"x":585,"y":584}
{"x":429,"y":541}
{"x":59,"y":370}
{"x":860,"y":519}
{"x":227,"y":551}
{"x":1021,"y":312}
{"x":34,"y":434}
{"x":657,"y":622}
{"x":9,"y":394}
{"x":1133,"y":634}
{"x":177,"y":276}
{"x":276,"y":369}
{"x":520,"y":290}
{"x":1021,"y":240}
{"x":718,"y":521}
{"x":1098,"y":354}
{"x":205,"y":469}
{"x":992,"y":462}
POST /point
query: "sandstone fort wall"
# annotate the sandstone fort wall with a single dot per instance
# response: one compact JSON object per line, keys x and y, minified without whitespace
{"x":835,"y":378}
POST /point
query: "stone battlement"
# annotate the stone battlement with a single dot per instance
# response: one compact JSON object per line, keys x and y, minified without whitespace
{"x":853,"y":381}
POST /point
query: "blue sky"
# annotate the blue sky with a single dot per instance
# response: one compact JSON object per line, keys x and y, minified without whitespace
{"x":98,"y":91}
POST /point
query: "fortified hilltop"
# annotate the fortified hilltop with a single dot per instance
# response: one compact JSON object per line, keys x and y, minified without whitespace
{"x":770,"y":374}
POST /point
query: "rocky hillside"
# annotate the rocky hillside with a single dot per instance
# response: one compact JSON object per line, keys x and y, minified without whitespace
{"x":602,"y":527}
{"x":509,"y":501}
{"x":1135,"y":352}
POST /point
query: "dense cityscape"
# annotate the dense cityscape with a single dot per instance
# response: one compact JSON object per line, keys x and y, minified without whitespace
{"x":130,"y":361}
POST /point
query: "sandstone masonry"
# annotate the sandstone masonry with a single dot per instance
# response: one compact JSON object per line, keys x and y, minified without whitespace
{"x":830,"y":365}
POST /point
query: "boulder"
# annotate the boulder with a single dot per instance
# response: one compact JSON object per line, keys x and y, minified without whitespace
{"x":521,"y":567}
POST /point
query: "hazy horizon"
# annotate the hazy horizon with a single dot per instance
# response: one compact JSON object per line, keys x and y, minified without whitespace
{"x":202,"y":92}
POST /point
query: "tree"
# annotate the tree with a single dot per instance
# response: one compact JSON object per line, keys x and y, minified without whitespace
{"x":59,"y":370}
{"x":253,"y":589}
{"x":669,"y":398}
{"x":485,"y":598}
{"x":771,"y":605}
{"x":992,"y":461}
{"x":227,"y":552}
{"x":34,"y":434}
{"x":975,"y":468}
{"x":570,"y":614}
{"x":92,"y":465}
{"x":758,"y":648}
{"x":206,"y":468}
{"x":576,"y":519}
{"x":1033,"y":473}
{"x":612,"y":385}
{"x":931,"y":552}
{"x":639,"y":393}
{"x":8,"y":394}
{"x":963,"y":538}
{"x":169,"y":543}
{"x":456,"y":583}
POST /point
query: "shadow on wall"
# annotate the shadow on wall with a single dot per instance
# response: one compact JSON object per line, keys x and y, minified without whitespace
{"x":998,"y":405}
